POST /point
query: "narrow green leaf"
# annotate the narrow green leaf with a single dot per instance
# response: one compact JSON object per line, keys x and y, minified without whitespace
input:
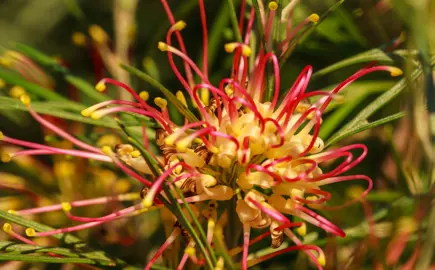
{"x":40,"y":57}
{"x":359,"y":123}
{"x":15,"y":248}
{"x":168,"y":94}
{"x":66,"y":238}
{"x":365,"y":57}
{"x":234,"y":22}
{"x":44,"y":259}
{"x":37,"y":90}
{"x":86,"y":88}
{"x":56,"y":109}
{"x":364,"y":126}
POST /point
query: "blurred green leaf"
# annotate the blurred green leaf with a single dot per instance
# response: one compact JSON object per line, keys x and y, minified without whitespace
{"x":35,"y":89}
{"x":360,"y":122}
{"x":40,"y":57}
{"x":86,"y":88}
{"x":365,"y":57}
{"x":168,"y":94}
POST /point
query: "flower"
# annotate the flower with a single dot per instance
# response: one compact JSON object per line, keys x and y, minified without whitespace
{"x":264,"y":153}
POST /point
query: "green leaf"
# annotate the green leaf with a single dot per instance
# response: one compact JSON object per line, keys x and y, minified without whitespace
{"x":56,"y":109}
{"x":168,"y":94}
{"x":35,"y":89}
{"x":25,"y":249}
{"x":44,"y":259}
{"x":66,"y":238}
{"x":359,"y":123}
{"x":364,"y":126}
{"x":86,"y":88}
{"x":354,"y":94}
{"x":365,"y":57}
{"x":40,"y":57}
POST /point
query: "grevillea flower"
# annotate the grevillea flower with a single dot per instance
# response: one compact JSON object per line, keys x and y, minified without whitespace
{"x":266,"y":154}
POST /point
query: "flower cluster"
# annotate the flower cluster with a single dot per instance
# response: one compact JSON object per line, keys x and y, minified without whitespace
{"x":264,"y":153}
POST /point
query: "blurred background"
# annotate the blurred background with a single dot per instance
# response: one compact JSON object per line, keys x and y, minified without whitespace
{"x":401,"y":152}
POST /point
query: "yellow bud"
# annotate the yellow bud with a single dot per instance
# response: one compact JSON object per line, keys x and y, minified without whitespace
{"x":66,"y":206}
{"x":6,"y":61}
{"x":135,"y":153}
{"x":394,"y":71}
{"x":147,"y":202}
{"x":5,"y":157}
{"x":96,"y":115}
{"x":17,"y":91}
{"x":25,"y":99}
{"x":2,"y":83}
{"x":321,"y":259}
{"x":314,"y":18}
{"x":12,"y":212}
{"x":7,"y":227}
{"x":122,"y":185}
{"x":273,"y":5}
{"x":30,"y":232}
{"x":106,"y":150}
{"x":79,"y":39}
{"x":189,"y":251}
{"x":302,"y":230}
{"x":101,"y":86}
{"x":144,"y":95}
{"x":98,"y":34}
{"x":86,"y":112}
{"x":181,"y":98}
{"x":163,"y":46}
{"x":211,"y":223}
{"x":161,"y":102}
{"x":178,"y":26}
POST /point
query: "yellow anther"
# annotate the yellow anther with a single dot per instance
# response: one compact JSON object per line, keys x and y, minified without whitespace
{"x":394,"y":71}
{"x":6,"y":61}
{"x":123,"y":185}
{"x":98,"y":34}
{"x":135,"y":153}
{"x":161,"y":102}
{"x":302,"y":230}
{"x":108,"y":139}
{"x":86,"y":112}
{"x":2,"y":83}
{"x":406,"y":225}
{"x":25,"y":99}
{"x":246,"y":50}
{"x":147,"y":202}
{"x":273,"y":5}
{"x":181,"y":98}
{"x":12,"y":212}
{"x":190,"y":251}
{"x":144,"y":95}
{"x":314,"y":18}
{"x":66,"y":206}
{"x":101,"y":86}
{"x":96,"y":115}
{"x":220,"y":264}
{"x":211,"y":223}
{"x":6,"y":157}
{"x":321,"y":259}
{"x":30,"y":232}
{"x":178,"y":26}
{"x":106,"y":150}
{"x":7,"y":227}
{"x":163,"y":46}
{"x":230,"y":47}
{"x":79,"y":39}
{"x":214,"y":150}
{"x":170,"y":140}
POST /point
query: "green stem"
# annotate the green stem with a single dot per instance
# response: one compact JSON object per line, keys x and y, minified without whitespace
{"x":234,"y":22}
